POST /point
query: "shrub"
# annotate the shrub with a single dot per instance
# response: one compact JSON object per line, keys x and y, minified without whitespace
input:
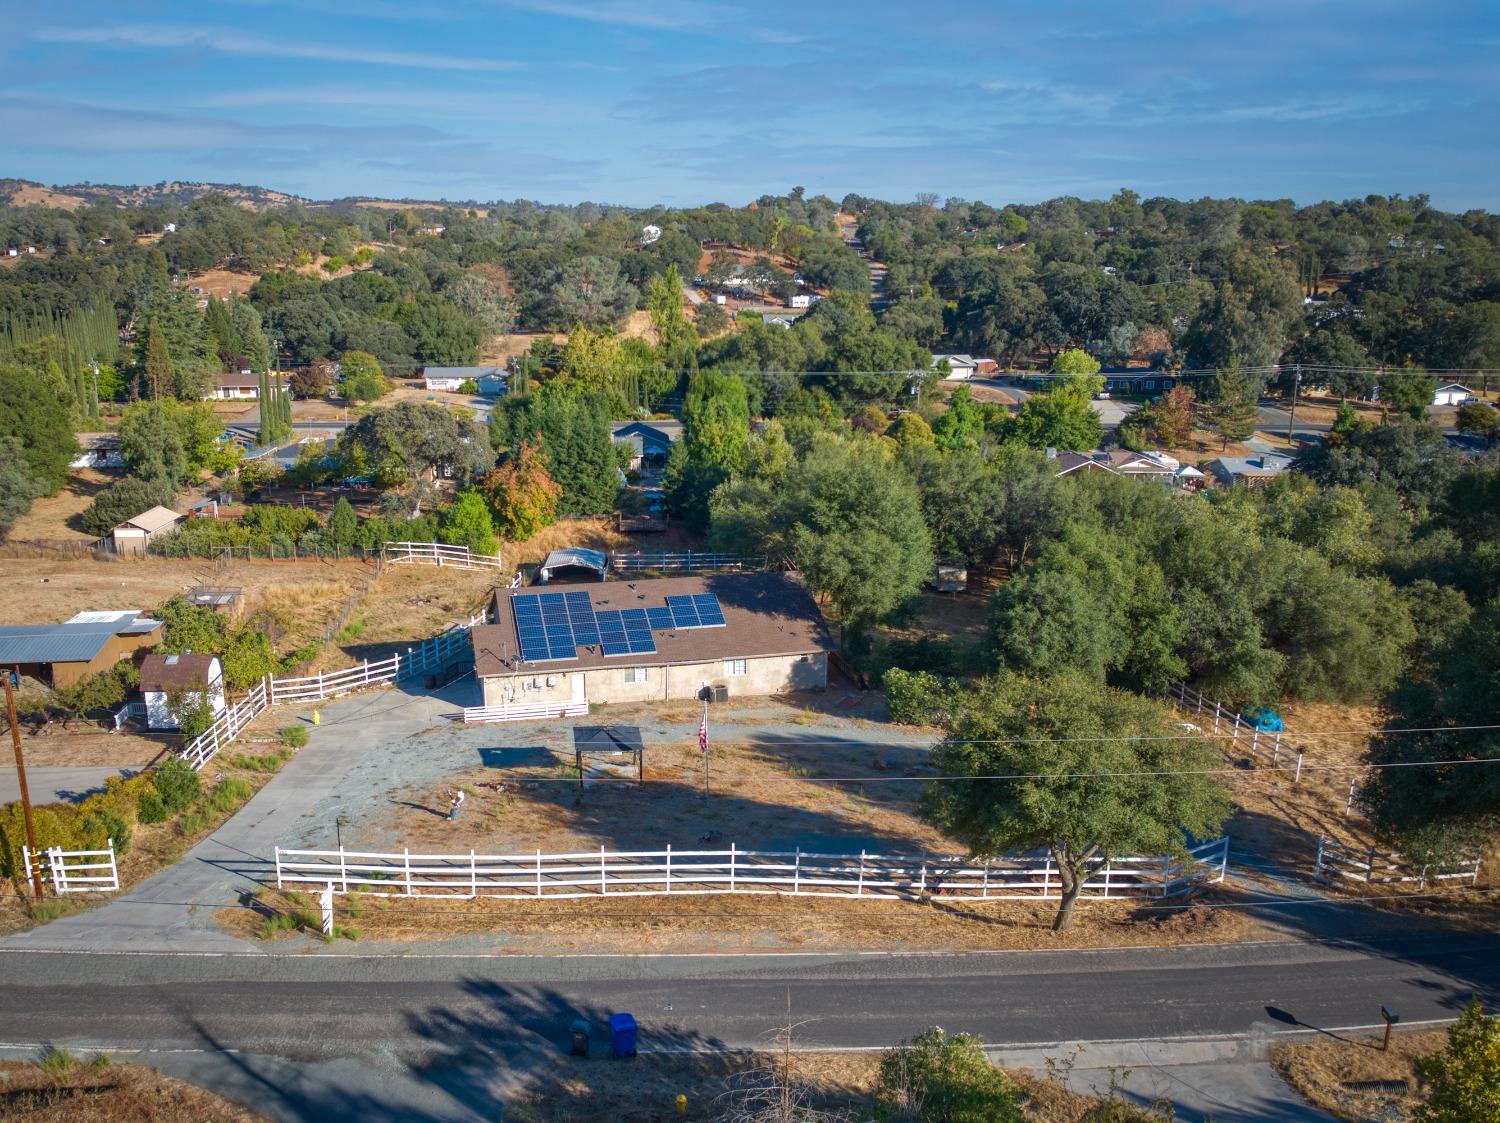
{"x":124,"y":500}
{"x":52,"y":827}
{"x":916,"y":697}
{"x":102,"y":826}
{"x":150,"y":808}
{"x":177,"y":784}
{"x":292,"y":736}
{"x":934,"y":1078}
{"x":1465,"y":1076}
{"x":228,"y":795}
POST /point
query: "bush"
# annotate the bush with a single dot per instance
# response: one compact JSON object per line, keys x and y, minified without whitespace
{"x":292,"y":736}
{"x":124,"y":500}
{"x":228,"y":795}
{"x":53,"y":828}
{"x":1465,"y":1076}
{"x":935,"y":1078}
{"x":916,"y":697}
{"x":103,"y":826}
{"x":177,"y":784}
{"x":149,"y":807}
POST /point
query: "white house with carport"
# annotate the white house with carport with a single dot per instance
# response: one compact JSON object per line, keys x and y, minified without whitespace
{"x":669,"y":639}
{"x":491,"y":380}
{"x":166,"y":680}
{"x":961,"y":368}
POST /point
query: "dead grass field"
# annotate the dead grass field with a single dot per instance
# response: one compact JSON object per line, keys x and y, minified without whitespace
{"x":596,"y":534}
{"x":584,"y":1090}
{"x":408,"y":603}
{"x":1352,"y":1079}
{"x":53,"y":518}
{"x":79,"y":1090}
{"x":498,"y":348}
{"x":86,"y":745}
{"x":36,"y":195}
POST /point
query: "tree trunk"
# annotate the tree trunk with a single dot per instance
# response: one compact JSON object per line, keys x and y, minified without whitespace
{"x":1064,"y":918}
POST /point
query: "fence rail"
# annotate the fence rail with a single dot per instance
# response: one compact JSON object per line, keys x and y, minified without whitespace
{"x":76,"y":871}
{"x":1374,"y":867}
{"x":439,"y":554}
{"x":1243,"y":736}
{"x":688,"y":562}
{"x":524,"y":711}
{"x":697,"y":872}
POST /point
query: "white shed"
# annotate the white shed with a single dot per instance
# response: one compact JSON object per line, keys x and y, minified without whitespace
{"x":1451,"y":394}
{"x":132,"y":535}
{"x":168,"y":677}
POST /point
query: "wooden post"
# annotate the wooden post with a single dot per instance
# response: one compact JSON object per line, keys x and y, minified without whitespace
{"x":343,"y":869}
{"x":325,"y":899}
{"x":984,"y":889}
{"x":278,"y":867}
{"x":15,"y":740}
{"x":603,"y":878}
{"x":1298,"y":777}
{"x":1349,"y":803}
{"x":539,"y":872}
{"x":1370,"y":866}
{"x":1217,"y":711}
{"x":473,"y":875}
{"x":1107,"y":871}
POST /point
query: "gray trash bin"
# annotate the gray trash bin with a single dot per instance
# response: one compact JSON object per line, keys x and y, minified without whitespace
{"x":579,"y":1034}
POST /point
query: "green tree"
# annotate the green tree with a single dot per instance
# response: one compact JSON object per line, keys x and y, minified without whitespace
{"x":935,"y":1078}
{"x":572,"y":427}
{"x":715,"y":444}
{"x":1464,"y":1077}
{"x":190,"y":627}
{"x":1075,"y":362}
{"x":1233,"y":408}
{"x":521,"y":493}
{"x":439,"y":332}
{"x":1480,"y":419}
{"x":1097,"y":774}
{"x":961,"y":425}
{"x":1409,"y":392}
{"x":123,"y":500}
{"x":343,"y":524}
{"x":467,"y":523}
{"x":1061,"y":417}
{"x":363,"y":378}
{"x":677,"y":338}
{"x":410,"y":440}
{"x":35,"y":413}
{"x":18,"y":487}
{"x":157,"y":364}
{"x":250,"y":334}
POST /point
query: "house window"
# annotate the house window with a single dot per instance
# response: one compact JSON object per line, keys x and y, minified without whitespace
{"x":1150,"y":384}
{"x":734,"y":666}
{"x":635,"y":676}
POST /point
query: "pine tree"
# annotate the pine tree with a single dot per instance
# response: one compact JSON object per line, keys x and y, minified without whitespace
{"x":158,"y":363}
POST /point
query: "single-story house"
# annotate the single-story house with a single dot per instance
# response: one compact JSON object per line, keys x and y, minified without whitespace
{"x":651,"y":440}
{"x":780,"y":321}
{"x":1253,"y":471}
{"x":491,"y":380}
{"x":1067,"y":463}
{"x":1451,"y":394}
{"x":1138,"y":381}
{"x":235,"y":386}
{"x":960,"y":367}
{"x":1155,"y":465}
{"x":640,"y":641}
{"x":83,"y":645}
{"x":100,"y":450}
{"x":132,"y":535}
{"x":800,"y":300}
{"x":169,"y":228}
{"x":165,"y":677}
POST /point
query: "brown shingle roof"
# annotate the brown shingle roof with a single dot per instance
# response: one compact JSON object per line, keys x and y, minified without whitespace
{"x":764,"y":614}
{"x":175,"y":672}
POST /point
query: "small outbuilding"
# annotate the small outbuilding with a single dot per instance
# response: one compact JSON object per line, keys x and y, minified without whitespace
{"x":86,"y":644}
{"x":133,"y":536}
{"x":168,"y":679}
{"x":99,"y":450}
{"x":571,"y":564}
{"x":1451,"y":394}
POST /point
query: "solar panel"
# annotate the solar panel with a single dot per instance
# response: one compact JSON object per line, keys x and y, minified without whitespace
{"x":552,"y":626}
{"x":660,"y":618}
{"x":684,"y":612}
{"x":612,"y":637}
{"x":709,"y":611}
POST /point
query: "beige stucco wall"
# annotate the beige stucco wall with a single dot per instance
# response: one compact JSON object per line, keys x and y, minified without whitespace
{"x":771,"y":675}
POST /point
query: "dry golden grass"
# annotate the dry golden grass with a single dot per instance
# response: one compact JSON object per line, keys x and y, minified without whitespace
{"x":295,"y":614}
{"x":1354,"y":1080}
{"x":498,"y":348}
{"x":85,"y":1092}
{"x":34,"y":195}
{"x":596,"y":534}
{"x":52,"y":517}
{"x":86,"y":745}
{"x":407,"y":604}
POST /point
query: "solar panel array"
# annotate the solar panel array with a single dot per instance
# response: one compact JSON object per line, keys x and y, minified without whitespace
{"x":553,"y":626}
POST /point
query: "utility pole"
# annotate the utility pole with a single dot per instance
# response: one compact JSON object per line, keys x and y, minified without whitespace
{"x":15,"y":739}
{"x":1291,"y":421}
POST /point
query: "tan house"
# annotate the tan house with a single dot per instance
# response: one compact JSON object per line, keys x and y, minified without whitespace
{"x":642,"y":641}
{"x":168,"y":677}
{"x":243,"y":386}
{"x":132,"y":535}
{"x":61,"y":654}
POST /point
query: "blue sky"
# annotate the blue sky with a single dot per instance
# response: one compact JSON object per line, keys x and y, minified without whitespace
{"x":690,"y":101}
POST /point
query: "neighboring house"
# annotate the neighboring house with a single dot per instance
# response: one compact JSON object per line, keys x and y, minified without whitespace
{"x":640,"y":641}
{"x":235,"y":387}
{"x":960,"y":367}
{"x":167,"y":677}
{"x":132,"y":535}
{"x":100,"y":450}
{"x":1138,"y":381}
{"x":1451,"y":394}
{"x":491,"y":380}
{"x":651,"y":440}
{"x":780,"y":321}
{"x":1067,"y":463}
{"x":800,"y":300}
{"x":1253,"y":471}
{"x":1153,"y":465}
{"x":61,"y":654}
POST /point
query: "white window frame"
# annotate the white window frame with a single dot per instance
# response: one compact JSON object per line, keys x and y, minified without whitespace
{"x":636,"y":676}
{"x":734,"y":667}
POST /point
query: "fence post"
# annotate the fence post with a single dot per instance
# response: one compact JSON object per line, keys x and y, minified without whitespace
{"x":26,"y":858}
{"x":1217,"y":711}
{"x":984,"y":889}
{"x":731,"y":866}
{"x":669,"y":868}
{"x":114,"y":870}
{"x":1318,"y":860}
{"x":922,"y":883}
{"x":473,"y":875}
{"x":797,"y":873}
{"x":859,"y":889}
{"x":1107,"y":872}
{"x":278,"y":868}
{"x":406,"y":867}
{"x":1297,"y":779}
{"x":1047,"y":878}
{"x":603,"y":879}
{"x":343,"y":869}
{"x":539,"y":872}
{"x":1349,"y":803}
{"x":1370,"y":867}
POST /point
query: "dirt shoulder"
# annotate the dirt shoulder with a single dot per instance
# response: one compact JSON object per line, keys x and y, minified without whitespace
{"x":1353,"y":1079}
{"x":68,"y":1089}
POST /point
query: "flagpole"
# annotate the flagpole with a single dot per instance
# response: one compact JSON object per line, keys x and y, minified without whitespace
{"x":703,"y":745}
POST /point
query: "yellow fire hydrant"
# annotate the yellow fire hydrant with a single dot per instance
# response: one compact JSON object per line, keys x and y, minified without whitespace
{"x":681,"y":1104}
{"x":317,"y":717}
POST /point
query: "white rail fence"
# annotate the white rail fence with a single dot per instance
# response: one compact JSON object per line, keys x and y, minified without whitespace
{"x":1217,"y":720}
{"x":1374,"y":867}
{"x":76,"y":871}
{"x":524,"y":711}
{"x":439,"y":554}
{"x":697,"y":872}
{"x":430,"y":655}
{"x":686,"y":562}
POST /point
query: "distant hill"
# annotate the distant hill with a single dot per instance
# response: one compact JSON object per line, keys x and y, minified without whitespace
{"x":26,"y":192}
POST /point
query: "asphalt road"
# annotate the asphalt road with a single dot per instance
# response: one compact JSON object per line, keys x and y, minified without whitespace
{"x":52,"y":785}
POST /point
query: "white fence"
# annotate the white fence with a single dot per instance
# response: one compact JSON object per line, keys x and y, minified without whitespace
{"x":1216,"y":720}
{"x":429,"y":655}
{"x":77,"y":871}
{"x":688,"y":562}
{"x":524,"y":711}
{"x":128,"y":712}
{"x":1375,"y":868}
{"x":652,"y":872}
{"x":439,"y":554}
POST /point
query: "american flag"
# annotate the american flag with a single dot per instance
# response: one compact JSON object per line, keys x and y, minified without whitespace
{"x":703,"y":731}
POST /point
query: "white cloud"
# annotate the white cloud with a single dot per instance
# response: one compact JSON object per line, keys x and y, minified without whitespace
{"x":229,"y":42}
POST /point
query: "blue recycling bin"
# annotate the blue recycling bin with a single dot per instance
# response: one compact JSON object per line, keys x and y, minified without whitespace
{"x":622,"y":1031}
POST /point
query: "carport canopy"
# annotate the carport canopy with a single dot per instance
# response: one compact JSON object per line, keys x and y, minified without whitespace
{"x":573,"y":557}
{"x":608,"y":741}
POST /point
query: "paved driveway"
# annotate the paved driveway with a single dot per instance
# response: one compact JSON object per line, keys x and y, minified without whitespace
{"x":57,"y":785}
